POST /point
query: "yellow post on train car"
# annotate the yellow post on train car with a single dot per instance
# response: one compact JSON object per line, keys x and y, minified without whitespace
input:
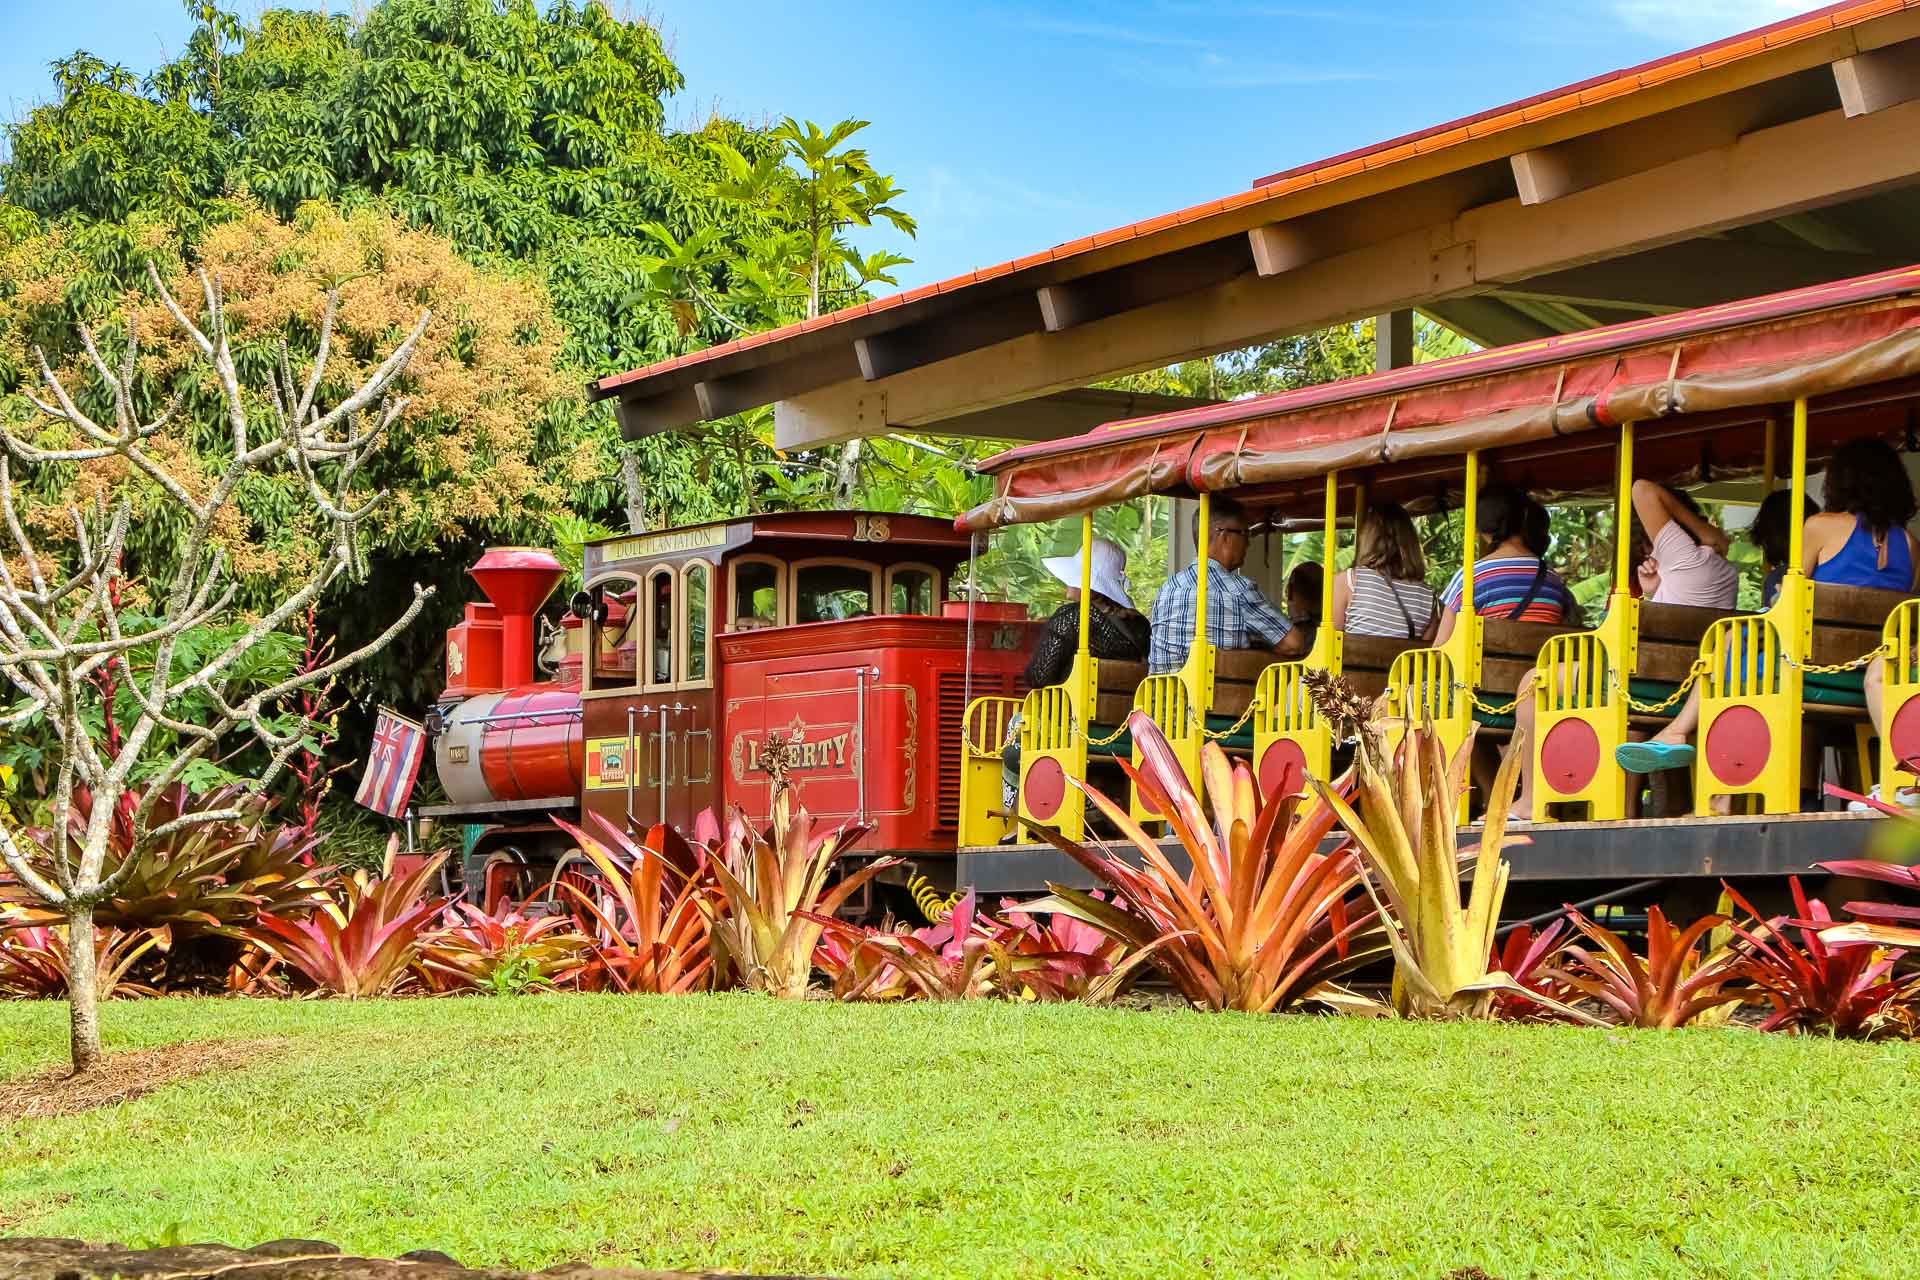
{"x":1291,"y":740}
{"x":1749,"y":739}
{"x":1435,"y":686}
{"x":981,"y":801}
{"x":1581,"y":694}
{"x":1900,"y":701}
{"x":1054,"y":723}
{"x":1178,"y":701}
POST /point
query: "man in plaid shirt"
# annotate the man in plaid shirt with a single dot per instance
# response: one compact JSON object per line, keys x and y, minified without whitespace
{"x":1239,"y":616}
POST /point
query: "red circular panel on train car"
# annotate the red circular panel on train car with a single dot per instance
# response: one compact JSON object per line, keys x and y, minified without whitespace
{"x":1046,"y":787}
{"x":1283,"y":769}
{"x":1903,"y":735}
{"x":1569,"y":755}
{"x":1738,"y":745}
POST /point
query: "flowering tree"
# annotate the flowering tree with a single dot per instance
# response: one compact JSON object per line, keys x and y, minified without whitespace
{"x":64,"y":629}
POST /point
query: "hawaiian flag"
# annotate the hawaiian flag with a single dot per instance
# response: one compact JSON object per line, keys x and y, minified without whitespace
{"x":394,"y":765}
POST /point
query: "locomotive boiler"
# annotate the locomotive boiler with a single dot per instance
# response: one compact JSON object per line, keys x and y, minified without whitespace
{"x":683,"y":653}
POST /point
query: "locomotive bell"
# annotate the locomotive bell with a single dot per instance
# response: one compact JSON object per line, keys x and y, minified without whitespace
{"x":517,"y":581}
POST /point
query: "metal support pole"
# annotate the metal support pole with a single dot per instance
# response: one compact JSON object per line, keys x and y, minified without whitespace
{"x":1469,"y":546}
{"x":1795,"y":541}
{"x":632,"y":711}
{"x":860,"y":740}
{"x":1086,"y":581}
{"x":664,"y":768}
{"x":1203,"y":533}
{"x":1623,"y":519}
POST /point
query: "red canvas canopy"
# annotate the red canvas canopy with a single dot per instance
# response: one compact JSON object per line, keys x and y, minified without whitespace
{"x":1690,"y":377}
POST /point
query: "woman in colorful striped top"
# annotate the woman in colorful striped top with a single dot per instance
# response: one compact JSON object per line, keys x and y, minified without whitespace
{"x":1510,"y":580}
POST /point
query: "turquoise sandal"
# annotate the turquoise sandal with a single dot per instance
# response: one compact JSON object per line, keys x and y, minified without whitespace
{"x":1652,"y":757}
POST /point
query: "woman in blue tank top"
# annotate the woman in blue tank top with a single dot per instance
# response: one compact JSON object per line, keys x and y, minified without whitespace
{"x":1862,"y":541}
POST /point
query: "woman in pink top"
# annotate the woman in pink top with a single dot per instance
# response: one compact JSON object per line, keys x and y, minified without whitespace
{"x":1687,"y":564}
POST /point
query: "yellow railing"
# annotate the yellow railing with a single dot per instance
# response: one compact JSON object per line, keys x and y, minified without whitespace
{"x":983,"y":733}
{"x":1900,"y":685}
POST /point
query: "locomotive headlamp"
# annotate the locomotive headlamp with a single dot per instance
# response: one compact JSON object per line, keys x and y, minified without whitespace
{"x":587,"y":605}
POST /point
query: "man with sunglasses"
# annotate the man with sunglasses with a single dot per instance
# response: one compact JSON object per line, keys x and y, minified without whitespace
{"x":1239,"y":615}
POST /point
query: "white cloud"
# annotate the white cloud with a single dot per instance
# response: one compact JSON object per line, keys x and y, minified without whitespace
{"x":1110,"y":33}
{"x":1693,"y":21}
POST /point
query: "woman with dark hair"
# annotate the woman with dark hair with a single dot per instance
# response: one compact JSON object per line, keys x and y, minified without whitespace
{"x":1772,"y":532}
{"x":1861,"y":540}
{"x":1511,"y":579}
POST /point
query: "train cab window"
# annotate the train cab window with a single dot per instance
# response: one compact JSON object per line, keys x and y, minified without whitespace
{"x":660,"y":626}
{"x":912,"y":588}
{"x":833,"y":591}
{"x":756,"y":595}
{"x":693,"y":593}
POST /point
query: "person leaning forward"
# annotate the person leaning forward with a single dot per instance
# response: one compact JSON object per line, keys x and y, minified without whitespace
{"x":1239,"y":615}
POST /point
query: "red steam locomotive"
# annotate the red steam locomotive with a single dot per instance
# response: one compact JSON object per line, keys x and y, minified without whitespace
{"x":684,"y":651}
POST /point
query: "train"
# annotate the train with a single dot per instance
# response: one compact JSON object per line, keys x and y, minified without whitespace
{"x":683,"y":655}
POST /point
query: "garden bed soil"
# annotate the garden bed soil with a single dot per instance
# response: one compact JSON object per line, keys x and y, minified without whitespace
{"x":48,"y":1259}
{"x":121,"y":1077}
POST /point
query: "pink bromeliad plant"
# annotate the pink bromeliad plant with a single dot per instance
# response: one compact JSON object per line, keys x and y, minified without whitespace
{"x":1261,"y":920}
{"x":363,"y":938}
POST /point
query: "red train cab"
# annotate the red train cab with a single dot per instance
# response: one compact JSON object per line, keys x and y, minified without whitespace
{"x":685,"y":652}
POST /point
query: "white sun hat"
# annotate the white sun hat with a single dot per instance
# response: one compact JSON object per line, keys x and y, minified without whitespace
{"x":1109,"y":570}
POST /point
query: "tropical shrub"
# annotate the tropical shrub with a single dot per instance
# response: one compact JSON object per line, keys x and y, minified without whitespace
{"x":775,"y":891}
{"x":1878,"y":923}
{"x":1815,"y":985}
{"x":33,"y":960}
{"x":208,"y":878}
{"x":970,"y":954}
{"x":1263,"y":921}
{"x":363,"y":939}
{"x":1404,"y":827}
{"x":1677,"y":982}
{"x":1061,"y":934}
{"x":506,"y":952}
{"x":649,"y":912}
{"x":1526,"y":956}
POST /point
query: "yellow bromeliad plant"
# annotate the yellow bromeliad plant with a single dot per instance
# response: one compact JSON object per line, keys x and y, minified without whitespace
{"x":1404,"y":826}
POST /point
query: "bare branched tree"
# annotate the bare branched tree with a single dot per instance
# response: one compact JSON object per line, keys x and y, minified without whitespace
{"x":61,"y":623}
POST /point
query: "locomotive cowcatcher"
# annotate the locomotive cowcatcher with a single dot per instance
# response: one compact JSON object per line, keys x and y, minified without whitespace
{"x":685,"y":650}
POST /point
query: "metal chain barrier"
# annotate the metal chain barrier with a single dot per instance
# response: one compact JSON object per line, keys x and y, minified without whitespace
{"x":1235,"y":727}
{"x":1694,"y":673}
{"x":1836,"y":668}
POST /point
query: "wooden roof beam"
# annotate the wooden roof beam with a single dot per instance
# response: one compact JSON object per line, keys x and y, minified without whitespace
{"x":1108,"y":293}
{"x":1878,"y":79}
{"x":1809,"y":162}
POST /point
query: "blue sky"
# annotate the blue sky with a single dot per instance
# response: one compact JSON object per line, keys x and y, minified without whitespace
{"x":1016,"y":126}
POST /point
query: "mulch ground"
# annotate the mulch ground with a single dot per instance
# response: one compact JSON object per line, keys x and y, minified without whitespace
{"x":122,"y":1077}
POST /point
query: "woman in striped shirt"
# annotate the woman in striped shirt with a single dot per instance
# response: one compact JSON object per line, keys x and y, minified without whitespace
{"x":1511,"y":580}
{"x":1386,"y":591}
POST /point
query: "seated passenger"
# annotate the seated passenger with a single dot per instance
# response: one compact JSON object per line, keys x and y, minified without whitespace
{"x":1686,"y":564}
{"x":1511,"y":579}
{"x":1115,"y":630}
{"x":1772,"y":532}
{"x":1386,"y":591}
{"x":1861,"y":540}
{"x":1239,"y":616}
{"x":1305,"y":585}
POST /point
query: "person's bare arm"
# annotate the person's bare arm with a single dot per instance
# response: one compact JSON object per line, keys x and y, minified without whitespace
{"x":1342,"y":597}
{"x":1293,"y":646}
{"x":1444,"y":632}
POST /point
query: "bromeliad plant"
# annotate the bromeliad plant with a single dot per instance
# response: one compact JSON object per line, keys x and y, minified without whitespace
{"x":206,"y":878}
{"x":649,"y":911}
{"x":364,"y":939}
{"x":1263,"y":920}
{"x":1813,"y":984}
{"x":775,"y":889}
{"x":33,"y":959}
{"x":1880,"y":924}
{"x":971,"y":955}
{"x":504,"y":953}
{"x":1679,"y":981}
{"x":1526,"y":957}
{"x":1405,"y":828}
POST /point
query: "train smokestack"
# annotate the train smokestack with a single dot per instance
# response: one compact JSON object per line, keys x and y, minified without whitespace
{"x":517,"y":581}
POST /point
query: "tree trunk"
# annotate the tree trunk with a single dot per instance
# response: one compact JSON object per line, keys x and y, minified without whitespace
{"x":83,"y":992}
{"x":847,"y":474}
{"x":636,"y":491}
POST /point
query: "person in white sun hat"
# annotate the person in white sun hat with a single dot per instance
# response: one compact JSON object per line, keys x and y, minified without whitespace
{"x":1115,"y":629}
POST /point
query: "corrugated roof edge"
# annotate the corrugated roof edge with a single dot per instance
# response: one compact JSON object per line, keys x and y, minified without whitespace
{"x":1588,"y":342}
{"x":1844,"y":13}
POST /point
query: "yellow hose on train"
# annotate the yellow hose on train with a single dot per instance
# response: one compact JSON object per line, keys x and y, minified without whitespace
{"x":934,"y":907}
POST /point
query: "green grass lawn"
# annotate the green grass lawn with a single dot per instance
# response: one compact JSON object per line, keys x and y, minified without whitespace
{"x":984,"y":1140}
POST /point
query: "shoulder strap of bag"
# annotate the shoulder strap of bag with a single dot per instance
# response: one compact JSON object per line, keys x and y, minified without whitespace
{"x":1533,"y":589}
